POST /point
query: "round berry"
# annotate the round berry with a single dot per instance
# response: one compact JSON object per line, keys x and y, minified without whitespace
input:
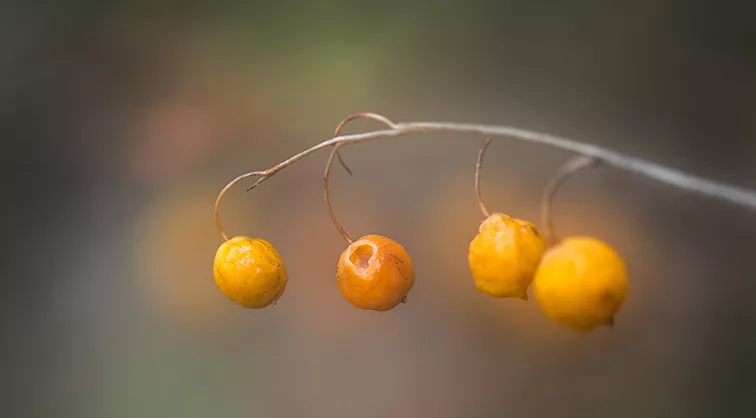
{"x":249,"y":272}
{"x":503,"y":257}
{"x":581,"y":283}
{"x":375,"y":273}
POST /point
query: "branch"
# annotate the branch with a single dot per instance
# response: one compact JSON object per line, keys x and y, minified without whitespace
{"x":569,"y":168}
{"x":478,"y":169}
{"x":666,"y":175}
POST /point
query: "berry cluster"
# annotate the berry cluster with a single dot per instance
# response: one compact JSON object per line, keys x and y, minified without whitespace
{"x":580,"y":282}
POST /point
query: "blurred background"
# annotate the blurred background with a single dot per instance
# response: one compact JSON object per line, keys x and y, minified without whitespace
{"x":121,"y":121}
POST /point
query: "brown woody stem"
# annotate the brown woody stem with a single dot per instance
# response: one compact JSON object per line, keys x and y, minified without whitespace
{"x":569,"y":168}
{"x":666,"y":175}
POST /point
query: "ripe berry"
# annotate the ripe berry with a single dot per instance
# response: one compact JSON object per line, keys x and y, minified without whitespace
{"x":249,"y":272}
{"x":503,"y":257}
{"x":581,"y":283}
{"x":375,"y":273}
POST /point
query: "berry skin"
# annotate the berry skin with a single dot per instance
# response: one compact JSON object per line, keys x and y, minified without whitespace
{"x":503,"y":257}
{"x":375,"y":273}
{"x":581,"y":283}
{"x":249,"y":272}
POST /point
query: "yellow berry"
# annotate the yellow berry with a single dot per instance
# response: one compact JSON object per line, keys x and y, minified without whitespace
{"x":581,"y":283}
{"x":249,"y":272}
{"x":503,"y":257}
{"x":375,"y":273}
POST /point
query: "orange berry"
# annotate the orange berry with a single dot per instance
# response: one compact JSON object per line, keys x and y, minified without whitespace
{"x":375,"y":273}
{"x":503,"y":257}
{"x":249,"y":272}
{"x":581,"y":283}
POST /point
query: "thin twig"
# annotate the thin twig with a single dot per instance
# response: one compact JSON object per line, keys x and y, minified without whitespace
{"x":344,"y":164}
{"x":365,"y":115}
{"x":669,"y":176}
{"x":327,"y":198}
{"x":478,"y":168}
{"x":327,"y":173}
{"x":223,"y":193}
{"x":569,"y":168}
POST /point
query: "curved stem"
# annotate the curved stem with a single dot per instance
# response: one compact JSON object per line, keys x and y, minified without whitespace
{"x":478,"y":168}
{"x":327,"y":198}
{"x":669,"y":176}
{"x":335,"y":152}
{"x":367,"y":115}
{"x":733,"y":194}
{"x":571,"y":167}
{"x":223,"y":192}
